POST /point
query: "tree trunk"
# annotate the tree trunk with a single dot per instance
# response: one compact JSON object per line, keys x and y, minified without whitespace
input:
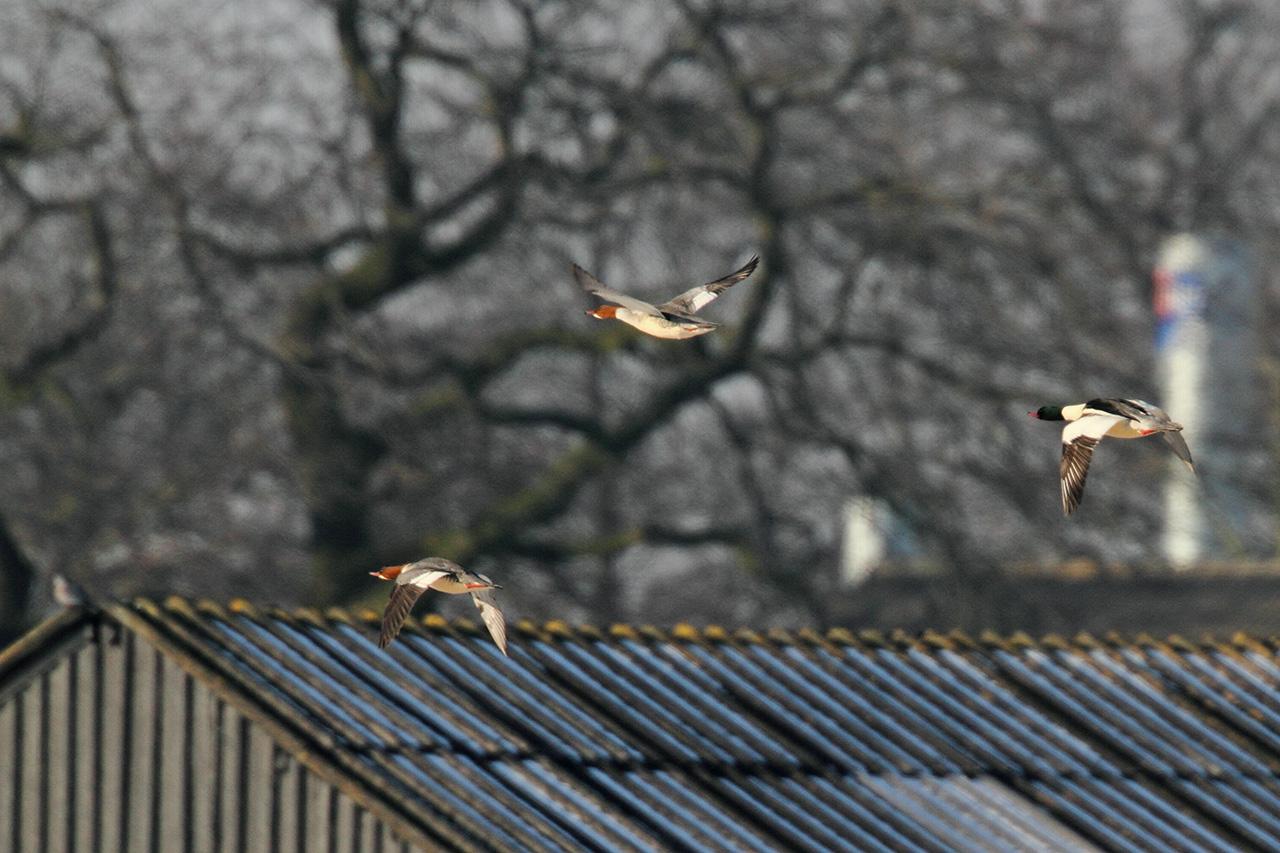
{"x":17,"y":574}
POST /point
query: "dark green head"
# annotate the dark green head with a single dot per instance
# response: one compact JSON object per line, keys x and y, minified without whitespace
{"x":1048,"y":413}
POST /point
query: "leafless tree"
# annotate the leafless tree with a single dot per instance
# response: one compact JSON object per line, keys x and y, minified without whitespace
{"x":290,"y":292}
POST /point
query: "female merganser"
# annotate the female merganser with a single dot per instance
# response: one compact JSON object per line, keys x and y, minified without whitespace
{"x":673,"y":320}
{"x":1092,"y":421}
{"x":413,"y":579}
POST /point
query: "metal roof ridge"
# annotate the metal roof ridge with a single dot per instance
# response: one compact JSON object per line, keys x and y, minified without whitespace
{"x":532,"y":630}
{"x":749,"y":636}
{"x":310,"y":616}
{"x":341,"y":614}
{"x":179,"y":603}
{"x":781,"y":637}
{"x":35,"y":641}
{"x":716,"y":634}
{"x":1085,"y":640}
{"x":962,"y":641}
{"x":1056,"y":642}
{"x":896,"y":638}
{"x":243,"y":607}
{"x":464,"y":625}
{"x":558,"y":629}
{"x":1247,"y":642}
{"x":934,"y":640}
{"x":684,"y":631}
{"x":623,"y":631}
{"x":590,"y":631}
{"x":900,"y":639}
{"x":653,"y":633}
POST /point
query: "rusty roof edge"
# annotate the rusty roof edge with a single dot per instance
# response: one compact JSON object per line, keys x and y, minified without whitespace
{"x":35,"y":643}
{"x":559,"y":629}
{"x":332,"y":765}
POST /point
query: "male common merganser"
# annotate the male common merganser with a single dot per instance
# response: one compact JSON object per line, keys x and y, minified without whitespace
{"x":413,"y":579}
{"x":673,"y":320}
{"x":1090,"y":422}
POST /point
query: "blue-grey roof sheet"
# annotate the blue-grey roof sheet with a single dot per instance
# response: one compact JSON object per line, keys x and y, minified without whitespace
{"x":701,"y":740}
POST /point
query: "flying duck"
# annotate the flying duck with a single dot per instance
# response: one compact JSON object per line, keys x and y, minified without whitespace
{"x":1088,"y":423}
{"x":413,"y":579}
{"x":673,"y":320}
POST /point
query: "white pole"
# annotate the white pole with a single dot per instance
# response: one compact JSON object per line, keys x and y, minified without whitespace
{"x":1183,"y":350}
{"x":864,"y":538}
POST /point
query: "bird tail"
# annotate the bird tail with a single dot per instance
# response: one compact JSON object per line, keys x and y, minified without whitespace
{"x":1178,"y":445}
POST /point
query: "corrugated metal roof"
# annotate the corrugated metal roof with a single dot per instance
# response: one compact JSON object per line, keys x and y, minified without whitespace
{"x":688,"y":739}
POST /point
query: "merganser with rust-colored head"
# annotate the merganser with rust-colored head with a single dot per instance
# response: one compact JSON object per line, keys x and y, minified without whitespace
{"x":1088,"y":423}
{"x":673,"y":320}
{"x":413,"y":579}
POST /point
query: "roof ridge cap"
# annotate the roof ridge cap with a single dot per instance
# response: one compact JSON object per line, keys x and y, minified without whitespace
{"x":244,"y":607}
{"x":531,"y":629}
{"x":623,"y":631}
{"x":309,"y":615}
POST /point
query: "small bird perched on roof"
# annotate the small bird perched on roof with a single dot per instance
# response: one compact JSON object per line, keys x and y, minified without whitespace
{"x":413,"y":579}
{"x":1088,"y":423}
{"x":674,"y":320}
{"x":68,"y":594}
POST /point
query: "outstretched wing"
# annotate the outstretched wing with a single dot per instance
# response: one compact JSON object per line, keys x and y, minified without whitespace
{"x":1115,"y":406}
{"x":403,"y":597}
{"x":1079,"y":438}
{"x":492,"y":616}
{"x":1134,"y":410}
{"x":409,"y":586}
{"x":1178,"y":445}
{"x":689,"y":302}
{"x":1073,"y":470}
{"x":594,"y":286}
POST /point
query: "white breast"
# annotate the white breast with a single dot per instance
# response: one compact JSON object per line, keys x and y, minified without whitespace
{"x":659,"y":327}
{"x":1124,"y":429}
{"x":449,"y":585}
